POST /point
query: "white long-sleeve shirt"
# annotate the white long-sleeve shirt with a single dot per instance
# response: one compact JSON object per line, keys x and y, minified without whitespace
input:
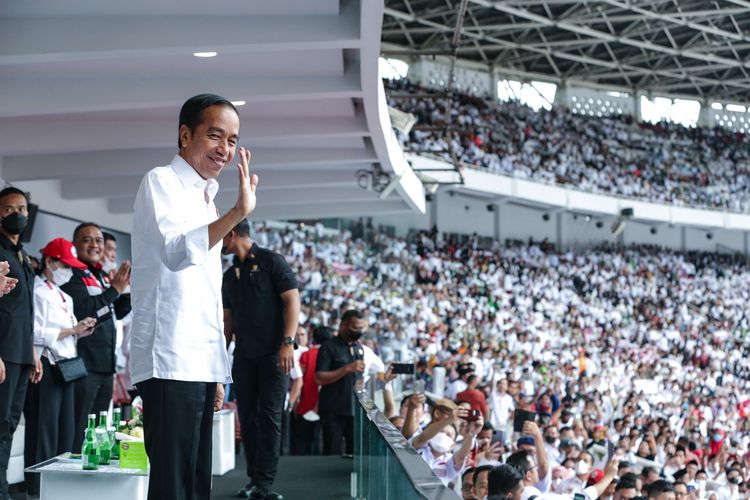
{"x":177,"y":329}
{"x":53,"y":311}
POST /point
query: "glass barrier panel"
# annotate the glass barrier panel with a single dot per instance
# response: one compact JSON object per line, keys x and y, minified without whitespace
{"x":387,"y":466}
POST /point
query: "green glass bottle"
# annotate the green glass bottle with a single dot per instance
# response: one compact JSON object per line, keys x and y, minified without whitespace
{"x":114,"y":453}
{"x":90,"y":450}
{"x":102,"y":437}
{"x":116,"y":416}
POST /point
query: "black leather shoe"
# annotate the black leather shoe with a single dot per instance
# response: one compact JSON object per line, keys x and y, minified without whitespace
{"x":257,"y":494}
{"x":244,"y":492}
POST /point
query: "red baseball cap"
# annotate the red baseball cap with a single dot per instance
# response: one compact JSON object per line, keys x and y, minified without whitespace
{"x":595,"y":476}
{"x":62,"y":249}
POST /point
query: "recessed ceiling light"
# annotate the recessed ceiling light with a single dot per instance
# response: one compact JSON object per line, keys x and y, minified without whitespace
{"x":238,"y":103}
{"x":205,"y":54}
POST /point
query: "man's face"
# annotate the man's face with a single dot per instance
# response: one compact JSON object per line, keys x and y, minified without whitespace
{"x":514,"y":388}
{"x":691,"y":470}
{"x":558,"y":474}
{"x":551,"y":434}
{"x":13,"y":203}
{"x":89,"y":244}
{"x":733,"y":474}
{"x":213,"y":142}
{"x":485,"y":435}
{"x":227,"y":244}
{"x":302,"y":336}
{"x":467,"y":487}
{"x":354,"y":324}
{"x":651,"y":477}
{"x":625,"y":494}
{"x":680,"y":492}
{"x":110,"y":250}
{"x":481,"y":484}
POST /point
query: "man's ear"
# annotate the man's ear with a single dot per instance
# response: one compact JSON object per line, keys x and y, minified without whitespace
{"x":184,"y":135}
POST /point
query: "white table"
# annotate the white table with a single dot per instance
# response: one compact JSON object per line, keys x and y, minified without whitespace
{"x":63,"y":478}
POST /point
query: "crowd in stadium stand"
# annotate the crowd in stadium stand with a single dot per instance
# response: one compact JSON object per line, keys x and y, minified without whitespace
{"x":663,"y":163}
{"x":640,"y":347}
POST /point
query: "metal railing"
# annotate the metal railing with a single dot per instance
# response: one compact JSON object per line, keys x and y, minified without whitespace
{"x":386,"y":466}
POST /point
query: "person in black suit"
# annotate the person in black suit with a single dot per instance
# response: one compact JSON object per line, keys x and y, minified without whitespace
{"x":18,"y":361}
{"x":96,"y":296}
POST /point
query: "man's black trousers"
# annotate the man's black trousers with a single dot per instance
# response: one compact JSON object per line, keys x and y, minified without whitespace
{"x":261,"y":389}
{"x":336,"y":428}
{"x":178,"y":421}
{"x":306,"y":436}
{"x":12,"y":396}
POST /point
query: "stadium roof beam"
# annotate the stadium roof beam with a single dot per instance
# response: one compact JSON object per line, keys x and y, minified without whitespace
{"x":653,"y":52}
{"x":741,"y":3}
{"x":568,"y":39}
{"x":608,"y":37}
{"x":563,"y":55}
{"x":649,"y":14}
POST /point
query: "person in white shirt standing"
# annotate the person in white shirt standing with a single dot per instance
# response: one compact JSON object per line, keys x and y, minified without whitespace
{"x":49,"y":410}
{"x":178,"y":358}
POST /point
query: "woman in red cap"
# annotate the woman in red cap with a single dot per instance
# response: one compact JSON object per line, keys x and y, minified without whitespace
{"x":49,"y":404}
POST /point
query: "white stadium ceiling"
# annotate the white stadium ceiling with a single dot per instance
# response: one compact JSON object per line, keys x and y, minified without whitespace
{"x":90,"y":92}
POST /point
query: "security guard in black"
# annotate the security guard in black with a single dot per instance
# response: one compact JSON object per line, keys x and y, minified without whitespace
{"x":261,"y":311}
{"x":16,"y":308}
{"x":252,"y":290}
{"x":16,"y":324}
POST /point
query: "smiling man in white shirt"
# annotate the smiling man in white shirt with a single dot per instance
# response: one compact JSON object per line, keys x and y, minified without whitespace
{"x":178,"y":359}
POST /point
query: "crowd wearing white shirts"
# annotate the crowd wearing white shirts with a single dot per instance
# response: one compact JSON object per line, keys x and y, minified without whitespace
{"x":641,"y":347}
{"x":664,"y":163}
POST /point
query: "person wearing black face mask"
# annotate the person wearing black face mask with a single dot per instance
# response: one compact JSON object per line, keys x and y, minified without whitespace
{"x":339,"y":367}
{"x":731,"y":490}
{"x":18,"y":361}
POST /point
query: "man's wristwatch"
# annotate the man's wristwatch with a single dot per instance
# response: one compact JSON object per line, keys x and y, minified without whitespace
{"x":287,"y":341}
